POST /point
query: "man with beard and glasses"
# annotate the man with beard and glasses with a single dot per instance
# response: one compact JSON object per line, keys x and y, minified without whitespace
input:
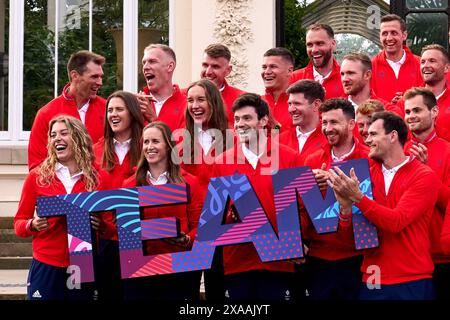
{"x":395,"y":69}
{"x":333,"y":263}
{"x":323,"y":67}
{"x":420,"y":114}
{"x":161,"y":100}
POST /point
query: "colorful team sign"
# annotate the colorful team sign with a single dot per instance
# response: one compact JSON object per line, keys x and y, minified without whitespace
{"x":272,"y":244}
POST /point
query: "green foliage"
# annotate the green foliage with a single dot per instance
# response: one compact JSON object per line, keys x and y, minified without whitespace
{"x":39,"y":52}
{"x":295,"y":35}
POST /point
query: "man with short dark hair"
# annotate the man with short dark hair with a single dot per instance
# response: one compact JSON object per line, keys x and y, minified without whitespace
{"x":305,"y":137}
{"x":277,"y":67}
{"x":256,"y":155}
{"x":395,"y":69}
{"x":404,"y":192}
{"x":420,"y":115}
{"x":78,"y":99}
{"x":323,"y":67}
{"x":161,"y":100}
{"x":216,"y":67}
{"x":331,"y":254}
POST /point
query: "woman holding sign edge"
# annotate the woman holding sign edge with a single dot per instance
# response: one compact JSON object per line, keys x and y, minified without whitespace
{"x":66,"y":169}
{"x":157,"y":167}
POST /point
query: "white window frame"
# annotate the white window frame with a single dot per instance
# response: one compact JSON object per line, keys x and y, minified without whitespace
{"x":15,"y":135}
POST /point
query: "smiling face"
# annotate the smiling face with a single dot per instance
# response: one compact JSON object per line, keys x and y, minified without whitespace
{"x":392,"y":37}
{"x":157,"y":67}
{"x":155,"y":148}
{"x":363,"y":123}
{"x":198,"y":106}
{"x":61,"y":142}
{"x":119,"y":118}
{"x":276,"y":73}
{"x":301,"y":111}
{"x":418,"y":117}
{"x":336,"y":127}
{"x":247,"y":125}
{"x":319,"y":47}
{"x":89,"y":82}
{"x":433,"y":66}
{"x":378,"y":141}
{"x":354,"y":77}
{"x":215,"y":69}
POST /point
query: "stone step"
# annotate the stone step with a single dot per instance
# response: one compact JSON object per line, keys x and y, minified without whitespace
{"x":6,"y":222}
{"x":9,"y":236}
{"x":14,"y":263}
{"x":15,"y":249}
{"x":13,"y":284}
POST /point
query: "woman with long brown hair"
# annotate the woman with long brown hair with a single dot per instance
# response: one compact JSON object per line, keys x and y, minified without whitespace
{"x":206,"y":128}
{"x":119,"y":150}
{"x":158,"y":165}
{"x":118,"y":153}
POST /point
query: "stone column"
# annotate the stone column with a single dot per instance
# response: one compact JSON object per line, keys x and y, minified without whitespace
{"x":247,"y":27}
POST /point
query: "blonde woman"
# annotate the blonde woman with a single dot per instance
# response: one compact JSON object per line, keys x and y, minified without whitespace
{"x":66,"y":169}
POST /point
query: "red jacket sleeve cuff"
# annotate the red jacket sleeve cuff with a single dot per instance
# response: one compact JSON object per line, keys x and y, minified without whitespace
{"x":28,"y":228}
{"x":364,"y":204}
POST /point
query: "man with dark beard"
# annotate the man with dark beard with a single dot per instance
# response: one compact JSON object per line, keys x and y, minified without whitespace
{"x":333,"y":263}
{"x":323,"y":67}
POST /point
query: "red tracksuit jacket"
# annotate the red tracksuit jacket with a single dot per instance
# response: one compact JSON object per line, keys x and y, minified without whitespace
{"x":243,"y":257}
{"x":229,"y":95}
{"x":314,"y":142}
{"x":332,"y":84}
{"x":120,"y":172}
{"x":439,"y":161}
{"x":279,"y":109}
{"x":188,"y":214}
{"x":445,"y":235}
{"x":172,"y":111}
{"x":443,"y":118}
{"x":385,"y":84}
{"x":402,"y":218}
{"x":338,"y":245}
{"x":62,"y":105}
{"x":50,"y":245}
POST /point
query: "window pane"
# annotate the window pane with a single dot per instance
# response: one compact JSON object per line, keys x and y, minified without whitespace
{"x":153,"y":28}
{"x":4,"y":52}
{"x":73,"y":34}
{"x":420,"y":4}
{"x":107,"y":41}
{"x":38,"y":58}
{"x":426,"y":28}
